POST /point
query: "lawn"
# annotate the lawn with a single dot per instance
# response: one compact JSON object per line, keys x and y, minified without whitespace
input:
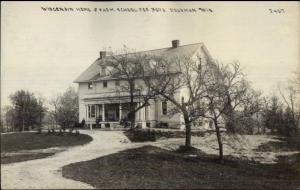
{"x":26,"y":142}
{"x":156,"y":168}
{"x":7,"y":159}
{"x":143,"y":135}
{"x":285,"y":144}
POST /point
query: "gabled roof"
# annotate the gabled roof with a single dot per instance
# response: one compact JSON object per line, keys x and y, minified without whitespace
{"x":92,"y":72}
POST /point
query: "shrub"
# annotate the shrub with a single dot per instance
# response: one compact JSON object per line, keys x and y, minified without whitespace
{"x":141,"y":135}
{"x":162,"y":125}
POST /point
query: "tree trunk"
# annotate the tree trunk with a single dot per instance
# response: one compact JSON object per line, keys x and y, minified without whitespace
{"x":229,"y":116}
{"x":187,"y":131}
{"x":23,"y":124}
{"x":219,"y":142}
{"x":132,"y":114}
{"x":258,"y":124}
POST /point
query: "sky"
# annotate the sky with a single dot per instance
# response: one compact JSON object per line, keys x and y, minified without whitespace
{"x":44,"y":51}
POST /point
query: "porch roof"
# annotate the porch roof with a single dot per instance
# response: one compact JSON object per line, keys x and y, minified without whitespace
{"x":112,"y":97}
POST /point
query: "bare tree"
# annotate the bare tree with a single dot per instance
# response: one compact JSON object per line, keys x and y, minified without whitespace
{"x":168,"y":77}
{"x":290,"y":97}
{"x":233,"y":87}
{"x":9,"y":115}
{"x":42,"y":110}
{"x":53,"y":113}
{"x":28,"y":110}
{"x":225,"y":90}
{"x":127,"y":67}
{"x":67,"y":110}
{"x":252,"y":106}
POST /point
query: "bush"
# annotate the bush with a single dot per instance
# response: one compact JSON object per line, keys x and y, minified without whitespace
{"x":140,"y":135}
{"x":143,"y":135}
{"x":162,"y":125}
{"x":245,"y":125}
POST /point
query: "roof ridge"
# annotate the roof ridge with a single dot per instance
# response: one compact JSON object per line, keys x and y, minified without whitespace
{"x":169,"y":47}
{"x":155,"y":49}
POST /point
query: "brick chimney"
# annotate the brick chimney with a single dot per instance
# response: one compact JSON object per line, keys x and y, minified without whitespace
{"x":102,"y":54}
{"x":175,"y":43}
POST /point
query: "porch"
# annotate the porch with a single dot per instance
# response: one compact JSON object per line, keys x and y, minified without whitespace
{"x":110,"y":115}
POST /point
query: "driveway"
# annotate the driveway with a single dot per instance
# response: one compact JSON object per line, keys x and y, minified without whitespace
{"x":46,"y":173}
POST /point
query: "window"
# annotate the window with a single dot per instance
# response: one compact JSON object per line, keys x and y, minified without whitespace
{"x":117,"y":83}
{"x":103,"y":70}
{"x":210,"y":123}
{"x":152,"y":63}
{"x":164,"y":106}
{"x":182,"y":100}
{"x":90,"y":85}
{"x":91,"y":111}
{"x":104,"y":84}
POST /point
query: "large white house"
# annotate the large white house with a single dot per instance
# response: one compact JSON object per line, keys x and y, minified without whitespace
{"x":100,"y":102}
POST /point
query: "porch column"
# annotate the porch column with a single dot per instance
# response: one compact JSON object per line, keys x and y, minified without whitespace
{"x":96,"y":111}
{"x":103,"y":112}
{"x":139,"y":112}
{"x":91,"y":125}
{"x":86,"y":112}
{"x":142,"y":118}
{"x":120,"y":112}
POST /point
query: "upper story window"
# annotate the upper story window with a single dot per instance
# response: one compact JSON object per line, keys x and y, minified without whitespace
{"x":117,"y":83}
{"x":164,"y":106}
{"x":104,"y":84}
{"x":103,"y":70}
{"x":210,"y":124}
{"x":90,"y":85}
{"x":152,"y":63}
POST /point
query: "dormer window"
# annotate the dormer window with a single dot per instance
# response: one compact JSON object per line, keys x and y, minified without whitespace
{"x":90,"y":85}
{"x":104,"y":84}
{"x":152,"y":64}
{"x":103,"y":70}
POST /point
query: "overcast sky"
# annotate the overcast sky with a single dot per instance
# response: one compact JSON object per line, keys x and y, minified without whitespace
{"x":44,"y":51}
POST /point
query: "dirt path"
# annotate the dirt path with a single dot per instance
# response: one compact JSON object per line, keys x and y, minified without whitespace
{"x":45,"y":173}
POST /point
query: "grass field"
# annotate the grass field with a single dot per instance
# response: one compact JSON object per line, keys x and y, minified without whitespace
{"x":15,"y":142}
{"x":156,"y":168}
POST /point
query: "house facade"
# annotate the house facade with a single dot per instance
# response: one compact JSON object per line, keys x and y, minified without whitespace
{"x":102,"y":104}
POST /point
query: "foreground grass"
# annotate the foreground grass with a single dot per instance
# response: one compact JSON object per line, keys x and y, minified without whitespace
{"x":155,"y":168}
{"x":31,"y":141}
{"x":15,"y":142}
{"x":23,"y":157}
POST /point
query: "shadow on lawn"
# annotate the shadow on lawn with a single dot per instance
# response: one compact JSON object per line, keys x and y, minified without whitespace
{"x":156,"y":168}
{"x":284,"y":144}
